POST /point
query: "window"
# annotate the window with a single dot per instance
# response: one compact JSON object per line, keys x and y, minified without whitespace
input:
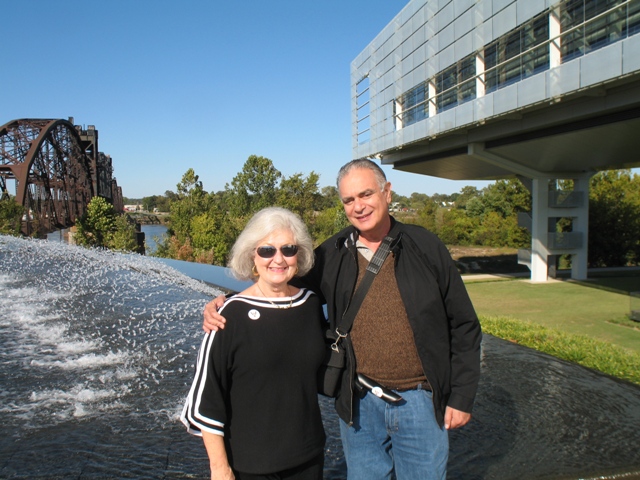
{"x":363,"y":111}
{"x":456,"y":84}
{"x":593,"y":24}
{"x":517,"y":55}
{"x":412,"y":106}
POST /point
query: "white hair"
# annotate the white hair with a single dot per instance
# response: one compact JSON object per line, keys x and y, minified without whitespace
{"x":261,"y":225}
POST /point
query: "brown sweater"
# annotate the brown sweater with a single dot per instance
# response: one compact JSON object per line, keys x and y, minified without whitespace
{"x":382,"y":338}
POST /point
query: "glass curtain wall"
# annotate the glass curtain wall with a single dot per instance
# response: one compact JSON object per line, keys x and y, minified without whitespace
{"x":413,"y":105}
{"x":456,"y":85}
{"x":517,"y":55}
{"x":586,"y":25}
{"x":363,"y":111}
{"x":593,"y":24}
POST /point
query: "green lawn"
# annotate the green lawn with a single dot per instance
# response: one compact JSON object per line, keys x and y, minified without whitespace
{"x":594,"y":308}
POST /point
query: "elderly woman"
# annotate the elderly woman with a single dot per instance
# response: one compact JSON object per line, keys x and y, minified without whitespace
{"x":254,"y":396}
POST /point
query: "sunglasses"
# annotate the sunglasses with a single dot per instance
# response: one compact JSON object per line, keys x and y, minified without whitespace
{"x":269,"y":251}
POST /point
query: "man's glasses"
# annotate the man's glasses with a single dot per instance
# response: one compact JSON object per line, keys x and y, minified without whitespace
{"x":269,"y":251}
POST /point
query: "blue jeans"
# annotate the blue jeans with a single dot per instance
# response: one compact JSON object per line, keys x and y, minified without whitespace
{"x":404,"y":439}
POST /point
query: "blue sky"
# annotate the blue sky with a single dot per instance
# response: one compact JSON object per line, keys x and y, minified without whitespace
{"x":198,"y":84}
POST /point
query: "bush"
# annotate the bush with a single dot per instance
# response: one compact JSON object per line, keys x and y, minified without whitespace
{"x":580,"y":349}
{"x":100,"y":226}
{"x":10,"y":216}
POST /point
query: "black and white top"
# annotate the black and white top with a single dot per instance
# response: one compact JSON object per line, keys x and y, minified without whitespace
{"x":255,"y":383}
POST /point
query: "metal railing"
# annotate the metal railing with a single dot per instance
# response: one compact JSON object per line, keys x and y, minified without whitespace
{"x":481,"y":76}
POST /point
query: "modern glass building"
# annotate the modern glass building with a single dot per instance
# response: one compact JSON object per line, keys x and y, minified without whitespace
{"x":487,"y":89}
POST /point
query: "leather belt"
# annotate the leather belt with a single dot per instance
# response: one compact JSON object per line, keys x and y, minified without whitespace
{"x":422,"y":386}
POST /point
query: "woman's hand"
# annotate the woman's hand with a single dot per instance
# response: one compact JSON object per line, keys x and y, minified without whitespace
{"x":222,"y":473}
{"x":218,"y":462}
{"x":212,"y":319}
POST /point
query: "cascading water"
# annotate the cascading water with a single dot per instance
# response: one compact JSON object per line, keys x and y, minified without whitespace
{"x":96,"y":355}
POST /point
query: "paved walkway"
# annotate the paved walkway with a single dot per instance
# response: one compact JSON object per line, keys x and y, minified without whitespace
{"x":472,"y":277}
{"x":565,"y":274}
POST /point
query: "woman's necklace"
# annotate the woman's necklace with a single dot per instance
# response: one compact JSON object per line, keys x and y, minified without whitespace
{"x":284,"y":307}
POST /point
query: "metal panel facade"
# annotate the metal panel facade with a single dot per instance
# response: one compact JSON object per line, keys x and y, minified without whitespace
{"x":428,"y":38}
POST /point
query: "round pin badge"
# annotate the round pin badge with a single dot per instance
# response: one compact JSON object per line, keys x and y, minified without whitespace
{"x":254,"y":314}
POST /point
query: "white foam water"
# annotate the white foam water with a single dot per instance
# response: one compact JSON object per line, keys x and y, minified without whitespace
{"x":85,"y":332}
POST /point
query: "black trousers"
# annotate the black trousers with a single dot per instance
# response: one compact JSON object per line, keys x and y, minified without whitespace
{"x":311,"y":470}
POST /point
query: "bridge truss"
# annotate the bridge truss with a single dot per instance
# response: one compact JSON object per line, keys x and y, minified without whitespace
{"x":55,"y":169}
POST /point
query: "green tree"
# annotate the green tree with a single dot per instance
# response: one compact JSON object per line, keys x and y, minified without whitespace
{"x":190,"y":202}
{"x":614,"y":219}
{"x":498,"y":231}
{"x":418,"y":201}
{"x":427,"y":215}
{"x":94,"y":227}
{"x":211,"y":239}
{"x":455,"y":227}
{"x":299,"y":194}
{"x":253,"y":189}
{"x":506,"y":197}
{"x":100,"y":226}
{"x":400,"y":200}
{"x":495,"y":213}
{"x":124,"y":236}
{"x":466,"y":194}
{"x":328,"y":222}
{"x":149,"y":203}
{"x":163,"y":204}
{"x":327,"y":198}
{"x":10,"y":216}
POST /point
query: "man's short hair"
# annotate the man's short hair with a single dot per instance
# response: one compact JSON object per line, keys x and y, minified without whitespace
{"x":363,"y":163}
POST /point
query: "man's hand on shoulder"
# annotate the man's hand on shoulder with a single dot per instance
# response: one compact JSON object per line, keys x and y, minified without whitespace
{"x":213,"y":321}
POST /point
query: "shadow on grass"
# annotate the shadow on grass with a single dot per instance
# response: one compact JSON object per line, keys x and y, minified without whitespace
{"x":614,"y":281}
{"x":492,"y":264}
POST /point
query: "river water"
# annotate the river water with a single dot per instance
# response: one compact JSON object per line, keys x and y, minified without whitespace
{"x":96,"y":357}
{"x":151,"y":233}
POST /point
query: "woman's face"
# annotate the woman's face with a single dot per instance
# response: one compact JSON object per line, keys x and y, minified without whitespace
{"x":279,"y":269}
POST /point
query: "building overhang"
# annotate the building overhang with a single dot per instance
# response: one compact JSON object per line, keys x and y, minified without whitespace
{"x":588,"y":131}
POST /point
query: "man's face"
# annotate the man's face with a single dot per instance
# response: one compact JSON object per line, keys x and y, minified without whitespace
{"x":366,"y":206}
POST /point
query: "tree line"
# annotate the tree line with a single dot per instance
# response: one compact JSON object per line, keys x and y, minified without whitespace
{"x":203,"y":225}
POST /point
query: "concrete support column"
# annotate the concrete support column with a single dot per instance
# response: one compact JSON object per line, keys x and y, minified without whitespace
{"x":580,"y":223}
{"x":539,"y":229}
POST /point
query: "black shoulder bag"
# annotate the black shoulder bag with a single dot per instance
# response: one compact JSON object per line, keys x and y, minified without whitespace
{"x":330,"y":373}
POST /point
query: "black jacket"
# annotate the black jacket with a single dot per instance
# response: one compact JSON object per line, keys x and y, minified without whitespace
{"x":444,"y":323}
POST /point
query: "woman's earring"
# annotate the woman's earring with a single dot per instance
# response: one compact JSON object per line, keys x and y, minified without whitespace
{"x":254,"y":270}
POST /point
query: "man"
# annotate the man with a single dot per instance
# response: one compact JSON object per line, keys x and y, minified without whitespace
{"x":416,"y":333}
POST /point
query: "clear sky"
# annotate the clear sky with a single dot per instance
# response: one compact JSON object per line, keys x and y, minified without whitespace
{"x":199,"y":84}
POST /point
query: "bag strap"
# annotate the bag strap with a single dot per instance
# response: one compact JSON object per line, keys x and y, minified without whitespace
{"x":343,"y":328}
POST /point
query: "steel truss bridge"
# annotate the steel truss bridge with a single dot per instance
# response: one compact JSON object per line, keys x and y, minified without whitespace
{"x":57,"y":169}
